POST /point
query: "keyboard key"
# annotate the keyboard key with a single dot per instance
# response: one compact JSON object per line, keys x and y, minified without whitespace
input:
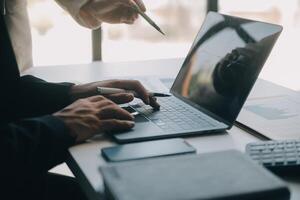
{"x":279,"y":162}
{"x":277,"y":150}
{"x":267,"y":162}
{"x":266,"y":151}
{"x":291,"y":154}
{"x":280,"y":146}
{"x":291,"y":161}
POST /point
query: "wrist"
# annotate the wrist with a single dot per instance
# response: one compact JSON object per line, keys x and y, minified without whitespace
{"x":67,"y":129}
{"x":60,"y":130}
{"x":88,"y":18}
{"x":74,"y":93}
{"x":82,"y":91}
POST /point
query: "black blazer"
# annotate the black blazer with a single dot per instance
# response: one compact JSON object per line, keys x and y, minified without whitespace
{"x":31,"y":140}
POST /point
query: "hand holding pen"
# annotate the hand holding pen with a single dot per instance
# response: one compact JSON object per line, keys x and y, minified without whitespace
{"x":93,"y":13}
{"x":124,"y":91}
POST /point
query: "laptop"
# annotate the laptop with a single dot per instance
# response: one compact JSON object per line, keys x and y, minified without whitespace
{"x":213,"y":83}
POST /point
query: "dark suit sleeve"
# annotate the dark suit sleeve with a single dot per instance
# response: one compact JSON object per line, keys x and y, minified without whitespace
{"x":30,"y":97}
{"x":40,"y":97}
{"x":31,"y":147}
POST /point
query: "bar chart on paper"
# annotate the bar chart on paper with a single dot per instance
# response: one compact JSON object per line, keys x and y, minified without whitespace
{"x":276,"y":117}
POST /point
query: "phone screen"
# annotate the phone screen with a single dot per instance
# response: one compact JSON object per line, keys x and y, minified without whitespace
{"x":148,"y":149}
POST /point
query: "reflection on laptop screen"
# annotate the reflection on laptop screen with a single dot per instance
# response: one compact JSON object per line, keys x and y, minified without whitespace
{"x":224,"y":63}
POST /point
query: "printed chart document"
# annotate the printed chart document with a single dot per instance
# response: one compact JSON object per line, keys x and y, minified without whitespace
{"x":272,"y":111}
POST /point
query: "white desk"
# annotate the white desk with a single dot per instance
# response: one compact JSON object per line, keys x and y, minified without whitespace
{"x":85,"y":159}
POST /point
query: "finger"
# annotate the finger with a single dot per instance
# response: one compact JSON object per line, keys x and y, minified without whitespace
{"x":122,"y":14}
{"x":121,"y":98}
{"x":127,"y":21}
{"x":132,"y":15}
{"x":128,"y":16}
{"x":135,"y":16}
{"x":154,"y":103}
{"x":104,"y":103}
{"x":115,"y":16}
{"x":135,"y":86}
{"x":141,"y":5}
{"x":114,"y":125}
{"x":134,"y":4}
{"x":109,"y":11}
{"x":114,"y":112}
{"x":96,"y":98}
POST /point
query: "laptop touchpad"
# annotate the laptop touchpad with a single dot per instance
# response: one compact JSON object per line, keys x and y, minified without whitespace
{"x":140,"y":118}
{"x":143,"y":127}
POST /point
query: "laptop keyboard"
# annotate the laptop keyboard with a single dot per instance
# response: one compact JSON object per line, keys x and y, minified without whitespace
{"x":175,"y":115}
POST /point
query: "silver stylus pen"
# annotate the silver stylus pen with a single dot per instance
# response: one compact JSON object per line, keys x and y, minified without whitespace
{"x":108,"y":90}
{"x":146,"y":17}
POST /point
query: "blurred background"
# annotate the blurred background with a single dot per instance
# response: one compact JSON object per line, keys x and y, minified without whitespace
{"x":58,"y":40}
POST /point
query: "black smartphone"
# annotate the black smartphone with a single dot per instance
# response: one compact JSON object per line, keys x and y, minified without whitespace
{"x":141,"y":150}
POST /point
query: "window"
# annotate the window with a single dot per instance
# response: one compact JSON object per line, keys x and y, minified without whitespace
{"x":282,"y":66}
{"x":179,"y":19}
{"x":57,"y":38}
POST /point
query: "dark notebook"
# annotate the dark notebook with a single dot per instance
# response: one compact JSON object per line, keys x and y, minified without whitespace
{"x":221,"y":175}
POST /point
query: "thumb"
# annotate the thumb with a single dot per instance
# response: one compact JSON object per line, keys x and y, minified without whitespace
{"x":140,"y":4}
{"x":135,"y":3}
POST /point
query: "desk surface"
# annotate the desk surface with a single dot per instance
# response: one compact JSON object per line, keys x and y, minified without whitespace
{"x":86,"y":158}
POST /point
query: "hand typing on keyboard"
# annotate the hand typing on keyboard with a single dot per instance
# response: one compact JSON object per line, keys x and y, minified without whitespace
{"x":90,"y":89}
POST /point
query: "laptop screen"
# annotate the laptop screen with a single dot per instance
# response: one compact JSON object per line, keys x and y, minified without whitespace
{"x":223,"y":64}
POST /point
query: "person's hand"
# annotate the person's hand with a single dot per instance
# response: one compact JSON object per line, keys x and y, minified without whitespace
{"x":110,"y":11}
{"x":90,"y":89}
{"x":87,"y":117}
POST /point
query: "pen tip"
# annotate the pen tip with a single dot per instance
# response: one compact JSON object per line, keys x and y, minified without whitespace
{"x":162,"y":32}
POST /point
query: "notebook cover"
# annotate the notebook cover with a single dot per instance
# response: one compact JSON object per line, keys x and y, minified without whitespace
{"x":211,"y":176}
